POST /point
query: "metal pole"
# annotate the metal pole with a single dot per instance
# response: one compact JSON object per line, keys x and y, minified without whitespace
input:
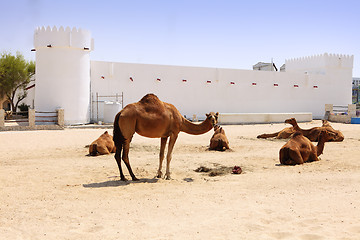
{"x":122,"y":99}
{"x":97,"y":107}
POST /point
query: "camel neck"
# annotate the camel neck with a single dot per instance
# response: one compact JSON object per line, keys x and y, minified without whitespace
{"x":305,"y":132}
{"x":195,"y":129}
{"x":321,"y":144}
{"x":296,"y":126}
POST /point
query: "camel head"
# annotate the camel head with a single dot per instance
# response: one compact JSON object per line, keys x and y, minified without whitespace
{"x":212,"y":117}
{"x":335,"y":135}
{"x":216,"y":128}
{"x":291,"y":121}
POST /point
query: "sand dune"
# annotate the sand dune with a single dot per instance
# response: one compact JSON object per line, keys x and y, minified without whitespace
{"x":50,"y":189}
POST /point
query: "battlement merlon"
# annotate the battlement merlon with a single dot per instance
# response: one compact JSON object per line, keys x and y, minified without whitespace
{"x":63,"y":38}
{"x":323,"y":61}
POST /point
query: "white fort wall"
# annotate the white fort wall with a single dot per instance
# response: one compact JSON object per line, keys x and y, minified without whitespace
{"x":66,"y":78}
{"x":229,"y":90}
{"x":63,"y":72}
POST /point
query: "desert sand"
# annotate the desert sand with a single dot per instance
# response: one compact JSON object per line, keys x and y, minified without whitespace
{"x":51,"y":189}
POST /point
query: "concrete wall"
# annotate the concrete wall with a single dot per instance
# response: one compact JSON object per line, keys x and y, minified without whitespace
{"x":198,"y":90}
{"x":63,"y":72}
{"x":246,"y":118}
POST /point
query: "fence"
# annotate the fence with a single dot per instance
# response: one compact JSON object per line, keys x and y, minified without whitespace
{"x":338,"y":113}
{"x":31,"y":120}
{"x":97,"y":104}
{"x":21,"y":118}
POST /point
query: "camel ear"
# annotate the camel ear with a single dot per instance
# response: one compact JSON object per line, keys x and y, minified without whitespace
{"x":207,"y":115}
{"x":106,"y":132}
{"x":217,"y":114}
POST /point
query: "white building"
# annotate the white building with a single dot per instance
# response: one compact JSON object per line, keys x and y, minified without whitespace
{"x":67,"y":78}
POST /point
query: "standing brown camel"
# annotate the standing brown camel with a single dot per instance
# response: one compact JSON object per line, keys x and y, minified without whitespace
{"x":313,"y":134}
{"x":153,"y":118}
{"x":299,"y":149}
{"x":219,"y":141}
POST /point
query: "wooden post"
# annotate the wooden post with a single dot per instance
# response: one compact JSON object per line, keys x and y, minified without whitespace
{"x":352,"y":110}
{"x":2,"y":117}
{"x":32,"y":118}
{"x":60,"y":115}
{"x":328,"y":111}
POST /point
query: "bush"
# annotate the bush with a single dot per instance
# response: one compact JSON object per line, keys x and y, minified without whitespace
{"x":24,"y":109}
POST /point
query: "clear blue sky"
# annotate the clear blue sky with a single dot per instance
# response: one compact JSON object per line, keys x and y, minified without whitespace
{"x":209,"y":33}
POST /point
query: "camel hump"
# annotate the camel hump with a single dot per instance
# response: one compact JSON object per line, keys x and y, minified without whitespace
{"x":297,"y":134}
{"x":149,"y":98}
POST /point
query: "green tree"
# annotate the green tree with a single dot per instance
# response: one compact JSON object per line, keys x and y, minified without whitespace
{"x":15,"y":75}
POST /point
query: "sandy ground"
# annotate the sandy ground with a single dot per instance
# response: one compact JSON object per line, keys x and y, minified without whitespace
{"x":50,"y":189}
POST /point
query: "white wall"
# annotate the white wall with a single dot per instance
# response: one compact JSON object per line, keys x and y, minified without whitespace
{"x":196,"y":96}
{"x":63,"y":72}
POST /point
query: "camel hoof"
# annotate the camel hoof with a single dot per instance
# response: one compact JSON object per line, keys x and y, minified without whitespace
{"x":159,"y":175}
{"x":167,"y":177}
{"x":123,"y":179}
{"x":135,"y":179}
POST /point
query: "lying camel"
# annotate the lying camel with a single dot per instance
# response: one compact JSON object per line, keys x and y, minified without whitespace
{"x":153,"y":118}
{"x":299,"y":149}
{"x":103,"y":145}
{"x":219,"y":141}
{"x":283,"y":134}
{"x":313,"y":134}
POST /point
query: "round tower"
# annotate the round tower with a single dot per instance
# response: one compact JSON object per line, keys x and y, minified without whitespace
{"x":63,"y":72}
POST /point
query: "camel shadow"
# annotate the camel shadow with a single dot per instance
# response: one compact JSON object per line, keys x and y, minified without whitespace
{"x":118,"y":183}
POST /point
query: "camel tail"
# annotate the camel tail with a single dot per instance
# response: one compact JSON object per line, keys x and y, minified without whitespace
{"x":94,"y":150}
{"x":118,"y":137}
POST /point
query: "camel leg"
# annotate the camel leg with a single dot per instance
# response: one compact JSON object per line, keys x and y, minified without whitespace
{"x":125,"y":158}
{"x":265,"y":135}
{"x":313,"y":158}
{"x":161,"y":156}
{"x":118,"y":161}
{"x":169,"y":155}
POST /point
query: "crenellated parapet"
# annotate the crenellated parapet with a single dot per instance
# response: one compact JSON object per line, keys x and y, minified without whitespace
{"x":318,"y":62}
{"x":63,"y":38}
